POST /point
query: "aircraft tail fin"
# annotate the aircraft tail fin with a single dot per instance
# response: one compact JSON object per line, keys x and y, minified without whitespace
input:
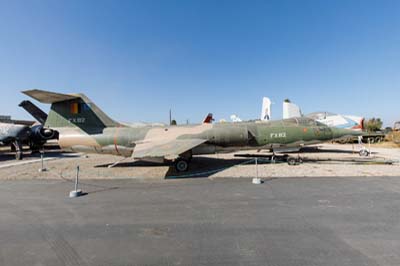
{"x":291,"y":110}
{"x":208,"y":119}
{"x":72,"y":110}
{"x":266,"y":109}
{"x":35,"y":111}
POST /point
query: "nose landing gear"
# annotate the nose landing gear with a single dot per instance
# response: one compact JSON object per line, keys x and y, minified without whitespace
{"x":364,"y":152}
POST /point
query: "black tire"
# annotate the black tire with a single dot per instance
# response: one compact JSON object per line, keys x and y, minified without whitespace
{"x":364,"y":153}
{"x":181,"y":165}
{"x":19,"y":155}
{"x":291,"y":161}
{"x":18,"y":150}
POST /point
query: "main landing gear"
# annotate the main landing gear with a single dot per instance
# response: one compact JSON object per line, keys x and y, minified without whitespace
{"x":364,"y":152}
{"x":182,"y":164}
{"x":16,"y":146}
{"x":294,"y":160}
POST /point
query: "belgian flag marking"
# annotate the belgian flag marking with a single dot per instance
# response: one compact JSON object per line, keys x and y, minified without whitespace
{"x":75,"y":108}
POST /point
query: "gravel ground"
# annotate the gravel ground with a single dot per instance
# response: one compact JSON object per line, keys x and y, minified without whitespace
{"x":63,"y":166}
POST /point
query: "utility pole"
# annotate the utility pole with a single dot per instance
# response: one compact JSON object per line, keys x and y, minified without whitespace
{"x":170,"y":117}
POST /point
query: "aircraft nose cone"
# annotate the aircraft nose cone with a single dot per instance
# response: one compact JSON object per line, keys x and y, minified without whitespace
{"x":344,"y":133}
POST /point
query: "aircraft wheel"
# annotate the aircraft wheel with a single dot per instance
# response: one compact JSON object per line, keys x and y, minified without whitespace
{"x":364,"y":152}
{"x":18,"y":155}
{"x":18,"y":150}
{"x":291,"y":161}
{"x":181,"y":165}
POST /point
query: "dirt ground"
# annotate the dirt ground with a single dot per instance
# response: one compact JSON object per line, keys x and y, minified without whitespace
{"x":320,"y":160}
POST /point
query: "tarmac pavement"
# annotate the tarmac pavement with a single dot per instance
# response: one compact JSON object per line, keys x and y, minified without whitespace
{"x":288,"y":221}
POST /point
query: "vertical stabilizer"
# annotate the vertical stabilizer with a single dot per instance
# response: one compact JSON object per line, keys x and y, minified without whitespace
{"x":291,"y":110}
{"x":266,"y":109}
{"x":208,"y":119}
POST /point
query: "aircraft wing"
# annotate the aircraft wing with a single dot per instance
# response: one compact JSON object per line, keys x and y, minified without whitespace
{"x":167,"y":149}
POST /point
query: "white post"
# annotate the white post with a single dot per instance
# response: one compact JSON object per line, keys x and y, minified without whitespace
{"x":256,"y":180}
{"x":369,"y":146}
{"x":42,"y":169}
{"x":77,"y":192}
{"x":77,"y":178}
{"x":256,"y":167}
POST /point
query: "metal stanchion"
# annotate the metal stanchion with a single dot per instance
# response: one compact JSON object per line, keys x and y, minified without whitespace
{"x":77,"y":192}
{"x":42,"y":169}
{"x":256,"y":180}
{"x":369,"y":147}
{"x":363,"y":151}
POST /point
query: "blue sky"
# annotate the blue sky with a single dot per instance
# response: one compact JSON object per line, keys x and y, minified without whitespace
{"x":136,"y":59}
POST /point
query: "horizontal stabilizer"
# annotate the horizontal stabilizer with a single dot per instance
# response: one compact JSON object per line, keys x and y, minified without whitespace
{"x":73,"y":110}
{"x":49,"y":97}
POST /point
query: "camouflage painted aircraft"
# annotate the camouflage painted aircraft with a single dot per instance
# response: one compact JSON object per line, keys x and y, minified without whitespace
{"x":83,"y":127}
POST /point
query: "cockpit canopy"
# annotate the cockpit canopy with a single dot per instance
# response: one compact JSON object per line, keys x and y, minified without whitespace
{"x":320,"y":115}
{"x":302,"y":121}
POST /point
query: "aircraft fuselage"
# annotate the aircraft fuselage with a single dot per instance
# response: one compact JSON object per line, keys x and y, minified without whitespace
{"x":219,"y":137}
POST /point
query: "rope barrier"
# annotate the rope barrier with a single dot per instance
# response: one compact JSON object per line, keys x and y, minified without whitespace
{"x":204,"y":173}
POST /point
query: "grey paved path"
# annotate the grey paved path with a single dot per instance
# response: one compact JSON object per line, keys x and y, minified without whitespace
{"x":302,"y":221}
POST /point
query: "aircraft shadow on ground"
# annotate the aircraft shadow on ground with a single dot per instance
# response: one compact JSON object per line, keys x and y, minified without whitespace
{"x":205,"y":167}
{"x":199,"y":167}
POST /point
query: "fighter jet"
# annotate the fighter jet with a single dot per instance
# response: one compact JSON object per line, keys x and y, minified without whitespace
{"x":16,"y":133}
{"x":84,"y":127}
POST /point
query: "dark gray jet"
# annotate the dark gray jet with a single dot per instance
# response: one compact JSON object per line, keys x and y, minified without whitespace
{"x":14,"y":135}
{"x":18,"y":133}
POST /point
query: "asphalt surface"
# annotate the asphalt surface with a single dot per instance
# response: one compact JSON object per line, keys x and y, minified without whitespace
{"x":288,"y":221}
